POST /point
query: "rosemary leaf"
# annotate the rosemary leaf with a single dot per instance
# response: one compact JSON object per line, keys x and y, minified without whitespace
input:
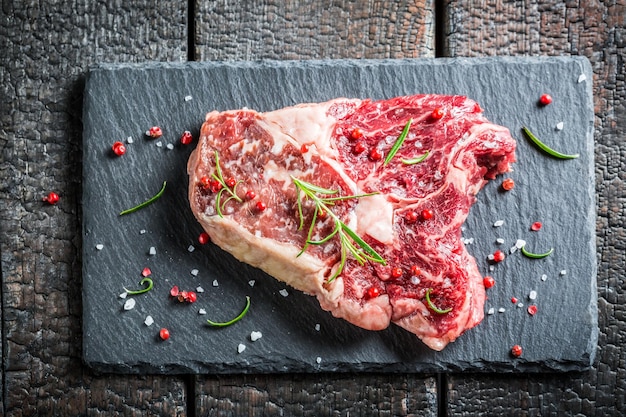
{"x":398,"y":143}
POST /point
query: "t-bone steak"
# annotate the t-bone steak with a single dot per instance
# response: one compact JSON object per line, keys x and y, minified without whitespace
{"x":410,"y":214}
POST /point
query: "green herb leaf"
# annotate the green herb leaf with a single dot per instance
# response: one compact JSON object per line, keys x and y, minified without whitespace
{"x":219,"y":205}
{"x":417,"y":160}
{"x":145,"y":203}
{"x":546,"y":148}
{"x":536,"y":255}
{"x":143,"y":281}
{"x":398,"y":143}
{"x":434,"y":307}
{"x":235,"y":320}
{"x":347,"y":237}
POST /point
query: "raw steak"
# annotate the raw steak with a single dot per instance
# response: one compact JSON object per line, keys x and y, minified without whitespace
{"x":427,"y":283}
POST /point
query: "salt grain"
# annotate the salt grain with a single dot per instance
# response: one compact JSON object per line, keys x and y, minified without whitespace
{"x":318,"y":360}
{"x":199,"y":289}
{"x":317,"y":327}
{"x":129,"y":304}
{"x":149,"y":321}
{"x":169,"y":146}
{"x":559,"y":126}
{"x":191,"y":248}
{"x":499,"y":240}
{"x":251,"y":282}
{"x":99,"y":246}
{"x":202,"y":311}
{"x":159,"y":144}
{"x":129,"y":139}
{"x":215,"y":283}
{"x":520,"y":243}
{"x":501,"y":310}
{"x":498,"y":223}
{"x":284,"y":292}
{"x":415,"y":280}
{"x":152,"y":251}
{"x":544,"y":277}
{"x":520,"y":305}
{"x":254,"y":336}
{"x":188,"y":98}
{"x":241,"y":347}
{"x":194,"y":272}
{"x":124,"y":295}
{"x":490,"y":257}
{"x":491,"y":311}
{"x":532,"y":295}
{"x":563,"y":272}
{"x":581,"y":78}
{"x":142,"y":232}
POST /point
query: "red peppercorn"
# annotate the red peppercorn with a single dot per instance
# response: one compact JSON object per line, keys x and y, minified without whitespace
{"x":514,"y":300}
{"x":516,"y":351}
{"x":216,"y":186}
{"x":532,"y":310}
{"x":498,"y":256}
{"x":508,"y":184}
{"x":437,"y":113}
{"x":250,"y":195}
{"x":192,"y":297}
{"x":174,"y":291}
{"x":376,"y":154}
{"x":51,"y":198}
{"x":304,"y":148}
{"x":545,"y":99}
{"x":164,"y":334}
{"x":186,"y":138}
{"x":415,"y":271}
{"x":118,"y":148}
{"x":411,"y":217}
{"x":356,"y":133}
{"x":321,"y":214}
{"x":155,"y":132}
{"x":427,"y":214}
{"x":231,"y":182}
{"x":205,"y":182}
{"x":489,"y":282}
{"x":182,"y":296}
{"x":396,"y":272}
{"x":373,"y":292}
{"x":146,"y":272}
{"x":359,"y":147}
{"x":204,"y":238}
{"x":261,"y":206}
{"x":536,"y":226}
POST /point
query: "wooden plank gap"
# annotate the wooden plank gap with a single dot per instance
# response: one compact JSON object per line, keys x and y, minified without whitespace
{"x":440,"y":10}
{"x":191,"y":30}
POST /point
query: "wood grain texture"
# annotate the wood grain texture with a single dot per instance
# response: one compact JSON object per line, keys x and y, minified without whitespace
{"x":275,"y":29}
{"x":47,"y":48}
{"x":596,"y":30}
{"x":318,"y":395}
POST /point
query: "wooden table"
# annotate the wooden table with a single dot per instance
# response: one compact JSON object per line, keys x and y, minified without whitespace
{"x":47,"y":47}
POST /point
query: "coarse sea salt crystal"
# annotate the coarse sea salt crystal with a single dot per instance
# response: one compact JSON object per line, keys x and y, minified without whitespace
{"x":99,"y":246}
{"x":559,"y":126}
{"x":415,"y":280}
{"x":215,"y":283}
{"x":283,"y":292}
{"x":129,"y":304}
{"x":199,"y":289}
{"x":491,"y":311}
{"x":194,"y":272}
{"x":188,"y":98}
{"x":169,"y":146}
{"x":581,"y":78}
{"x":563,"y":272}
{"x":241,"y":347}
{"x":520,"y":243}
{"x":159,"y":144}
{"x":532,"y":295}
{"x":142,"y":232}
{"x":202,"y":311}
{"x":254,"y":336}
{"x":317,"y":327}
{"x":499,"y":240}
{"x":520,"y":304}
{"x":318,"y":360}
{"x":501,"y":310}
{"x":124,"y":294}
{"x":251,"y":282}
{"x":191,"y":248}
{"x":544,"y":277}
{"x":129,"y":139}
{"x":149,"y":321}
{"x":498,"y":223}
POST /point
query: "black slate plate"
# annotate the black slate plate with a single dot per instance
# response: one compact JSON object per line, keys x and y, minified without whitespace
{"x":123,"y":101}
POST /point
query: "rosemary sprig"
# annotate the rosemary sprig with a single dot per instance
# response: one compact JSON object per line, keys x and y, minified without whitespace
{"x":219,"y":205}
{"x":147,"y":202}
{"x":348,"y":238}
{"x":433,"y":307}
{"x":398,"y":143}
{"x":236,"y":319}
{"x":143,"y":281}
{"x":536,"y":255}
{"x":546,"y":148}
{"x":417,"y":160}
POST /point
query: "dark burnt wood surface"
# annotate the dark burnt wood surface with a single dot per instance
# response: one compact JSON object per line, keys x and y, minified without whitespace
{"x":47,"y":48}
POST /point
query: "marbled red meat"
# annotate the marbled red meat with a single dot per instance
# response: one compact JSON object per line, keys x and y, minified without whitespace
{"x":316,"y":143}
